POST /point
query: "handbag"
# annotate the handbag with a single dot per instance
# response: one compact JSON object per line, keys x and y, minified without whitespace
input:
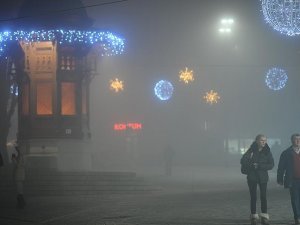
{"x":245,"y":169}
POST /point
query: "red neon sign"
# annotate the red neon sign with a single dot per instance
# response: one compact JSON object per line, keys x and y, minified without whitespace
{"x":127,"y":126}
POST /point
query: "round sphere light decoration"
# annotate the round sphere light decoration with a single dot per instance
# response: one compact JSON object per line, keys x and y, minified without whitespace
{"x":276,"y":79}
{"x":164,"y":90}
{"x":282,"y":15}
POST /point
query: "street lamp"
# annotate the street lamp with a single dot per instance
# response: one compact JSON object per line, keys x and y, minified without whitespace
{"x":226,"y":25}
{"x":225,"y":30}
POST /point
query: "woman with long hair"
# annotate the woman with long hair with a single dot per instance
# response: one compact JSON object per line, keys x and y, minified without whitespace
{"x":255,"y":163}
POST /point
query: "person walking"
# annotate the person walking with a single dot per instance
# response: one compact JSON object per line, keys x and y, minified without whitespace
{"x":19,"y":176}
{"x":288,"y":173}
{"x":168,"y":158}
{"x":255,"y":163}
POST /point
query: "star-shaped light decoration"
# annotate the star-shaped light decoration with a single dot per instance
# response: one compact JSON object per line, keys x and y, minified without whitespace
{"x":211,"y":97}
{"x":186,"y":76}
{"x":116,"y":85}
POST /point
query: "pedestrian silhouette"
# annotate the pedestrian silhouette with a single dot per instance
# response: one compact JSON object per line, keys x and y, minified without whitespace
{"x":168,"y":158}
{"x":19,"y":176}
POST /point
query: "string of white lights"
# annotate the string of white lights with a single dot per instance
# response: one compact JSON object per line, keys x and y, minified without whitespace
{"x":110,"y":43}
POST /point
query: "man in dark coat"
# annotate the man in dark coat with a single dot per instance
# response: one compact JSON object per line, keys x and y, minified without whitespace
{"x":288,"y":173}
{"x":257,"y":161}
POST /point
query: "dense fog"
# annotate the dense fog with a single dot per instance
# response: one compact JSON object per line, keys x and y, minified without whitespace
{"x":164,"y":37}
{"x":161,"y":39}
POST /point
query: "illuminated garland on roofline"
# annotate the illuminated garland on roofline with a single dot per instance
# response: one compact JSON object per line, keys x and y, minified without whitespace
{"x":110,"y":44}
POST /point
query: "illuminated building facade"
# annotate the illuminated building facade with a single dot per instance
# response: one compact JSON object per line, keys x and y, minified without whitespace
{"x":54,"y":70}
{"x":54,"y":99}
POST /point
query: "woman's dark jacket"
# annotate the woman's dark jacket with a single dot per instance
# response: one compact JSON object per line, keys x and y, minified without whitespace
{"x":263,"y":158}
{"x":285,"y":170}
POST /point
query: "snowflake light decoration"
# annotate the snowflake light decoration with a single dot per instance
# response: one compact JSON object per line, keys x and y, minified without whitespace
{"x":276,"y":79}
{"x":109,"y":43}
{"x":211,"y":97}
{"x":164,"y":90}
{"x":116,"y":85}
{"x":186,"y":76}
{"x":283,"y":15}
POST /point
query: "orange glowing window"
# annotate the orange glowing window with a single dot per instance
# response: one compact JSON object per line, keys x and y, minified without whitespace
{"x":25,"y":99}
{"x":44,"y":103}
{"x":68,"y":99}
{"x":84,"y":100}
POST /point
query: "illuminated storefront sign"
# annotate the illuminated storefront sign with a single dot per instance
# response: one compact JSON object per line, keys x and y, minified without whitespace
{"x":127,"y":126}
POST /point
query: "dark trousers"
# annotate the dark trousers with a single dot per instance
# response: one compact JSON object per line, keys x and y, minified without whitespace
{"x":253,"y":196}
{"x":295,"y":198}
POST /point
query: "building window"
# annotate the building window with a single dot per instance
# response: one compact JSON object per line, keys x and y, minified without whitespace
{"x":67,"y":63}
{"x":68,"y":99}
{"x":44,"y":99}
{"x":25,"y":99}
{"x":84,"y":100}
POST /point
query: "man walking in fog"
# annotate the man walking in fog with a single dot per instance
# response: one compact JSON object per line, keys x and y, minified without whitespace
{"x":168,"y":157}
{"x":288,"y":173}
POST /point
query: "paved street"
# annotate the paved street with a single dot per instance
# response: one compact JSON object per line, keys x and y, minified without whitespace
{"x":176,"y":201}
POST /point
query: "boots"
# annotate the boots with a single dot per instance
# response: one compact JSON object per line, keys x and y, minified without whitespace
{"x":254,"y":219}
{"x":20,"y":201}
{"x":264,"y":218}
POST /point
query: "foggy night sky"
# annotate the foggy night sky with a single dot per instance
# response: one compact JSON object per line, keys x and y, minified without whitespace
{"x":163,"y":37}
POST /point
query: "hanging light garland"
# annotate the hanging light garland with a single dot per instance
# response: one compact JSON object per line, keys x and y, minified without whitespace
{"x":282,"y":15}
{"x":211,"y":97}
{"x":186,"y":75}
{"x":116,"y":85}
{"x":109,"y":43}
{"x":276,"y":78}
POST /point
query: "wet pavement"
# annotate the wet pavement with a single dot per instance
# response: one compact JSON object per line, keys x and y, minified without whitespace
{"x":194,"y":201}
